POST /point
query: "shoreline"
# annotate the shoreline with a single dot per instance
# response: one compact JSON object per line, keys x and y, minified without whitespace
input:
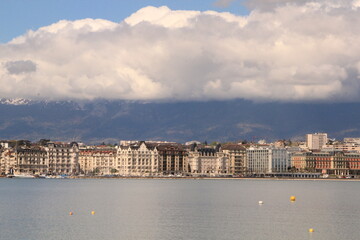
{"x":218,"y":178}
{"x":202,"y":178}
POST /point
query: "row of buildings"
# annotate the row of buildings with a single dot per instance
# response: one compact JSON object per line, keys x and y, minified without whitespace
{"x":140,"y":158}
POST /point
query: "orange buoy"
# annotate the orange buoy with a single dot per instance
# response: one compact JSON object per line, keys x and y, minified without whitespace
{"x":71,"y":213}
{"x":292,"y":199}
{"x":311,"y":230}
{"x":92,"y":212}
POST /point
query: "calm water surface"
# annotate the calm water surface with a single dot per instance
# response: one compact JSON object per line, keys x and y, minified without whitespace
{"x":178,"y":209}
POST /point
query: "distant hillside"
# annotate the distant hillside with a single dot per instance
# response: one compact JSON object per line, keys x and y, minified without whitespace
{"x":109,"y":121}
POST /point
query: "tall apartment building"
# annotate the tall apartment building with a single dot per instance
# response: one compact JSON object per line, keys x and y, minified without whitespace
{"x":280,"y":159}
{"x":2,"y":162}
{"x":237,"y":158}
{"x":208,"y":161}
{"x":258,"y":160}
{"x":62,"y":158}
{"x":315,"y":141}
{"x":8,"y":160}
{"x":138,"y":159}
{"x":100,"y":160}
{"x":23,"y":160}
{"x":31,"y":161}
{"x":172,"y":159}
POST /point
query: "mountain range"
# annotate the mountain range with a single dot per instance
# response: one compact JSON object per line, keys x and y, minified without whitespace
{"x":110,"y":121}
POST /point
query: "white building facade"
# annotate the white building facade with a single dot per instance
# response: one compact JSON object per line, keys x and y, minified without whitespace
{"x":316,"y":141}
{"x":62,"y":158}
{"x":138,"y":159}
{"x":262,"y":160}
{"x":99,"y":160}
{"x":208,"y":161}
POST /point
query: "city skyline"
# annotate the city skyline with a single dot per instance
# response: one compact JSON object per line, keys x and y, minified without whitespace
{"x":315,"y":158}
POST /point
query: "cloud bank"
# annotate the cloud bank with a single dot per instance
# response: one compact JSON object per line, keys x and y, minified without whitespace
{"x":308,"y":51}
{"x":268,"y":5}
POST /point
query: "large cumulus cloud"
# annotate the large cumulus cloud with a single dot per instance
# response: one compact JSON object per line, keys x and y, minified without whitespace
{"x":308,"y":51}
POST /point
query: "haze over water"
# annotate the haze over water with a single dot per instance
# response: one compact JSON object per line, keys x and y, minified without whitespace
{"x":178,"y":209}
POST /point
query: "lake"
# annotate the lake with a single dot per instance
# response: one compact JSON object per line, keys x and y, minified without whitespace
{"x":178,"y":209}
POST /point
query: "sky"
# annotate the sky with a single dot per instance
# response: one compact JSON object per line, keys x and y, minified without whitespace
{"x":258,"y":50}
{"x":19,"y":16}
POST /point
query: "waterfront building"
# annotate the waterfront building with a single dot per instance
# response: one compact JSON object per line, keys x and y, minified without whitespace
{"x":62,"y":158}
{"x":258,"y":160}
{"x":86,"y":161}
{"x":262,"y":160}
{"x":208,"y":161}
{"x":98,"y":160}
{"x":338,"y":163}
{"x":298,"y":161}
{"x":2,"y":162}
{"x":30,"y":161}
{"x":316,"y":141}
{"x":47,"y":158}
{"x":172,"y":159}
{"x":280,"y":160}
{"x":236,"y":154}
{"x":8,"y":161}
{"x":346,"y":163}
{"x":138,"y":159}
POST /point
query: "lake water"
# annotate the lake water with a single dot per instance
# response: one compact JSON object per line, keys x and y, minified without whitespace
{"x":178,"y":209}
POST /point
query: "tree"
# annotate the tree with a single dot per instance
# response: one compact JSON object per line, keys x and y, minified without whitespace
{"x":96,"y":171}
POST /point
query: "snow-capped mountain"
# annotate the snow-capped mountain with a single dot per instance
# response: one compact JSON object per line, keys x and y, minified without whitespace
{"x":15,"y":101}
{"x":110,"y":121}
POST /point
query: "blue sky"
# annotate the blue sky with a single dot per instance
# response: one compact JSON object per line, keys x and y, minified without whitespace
{"x":18,"y":16}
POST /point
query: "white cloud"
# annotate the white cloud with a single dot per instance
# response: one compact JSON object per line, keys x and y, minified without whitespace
{"x":271,"y":4}
{"x":295,"y":52}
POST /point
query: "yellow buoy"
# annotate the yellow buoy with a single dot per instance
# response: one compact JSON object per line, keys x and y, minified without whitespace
{"x":71,"y":213}
{"x":311,"y":230}
{"x":92,"y":212}
{"x":292,"y":198}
